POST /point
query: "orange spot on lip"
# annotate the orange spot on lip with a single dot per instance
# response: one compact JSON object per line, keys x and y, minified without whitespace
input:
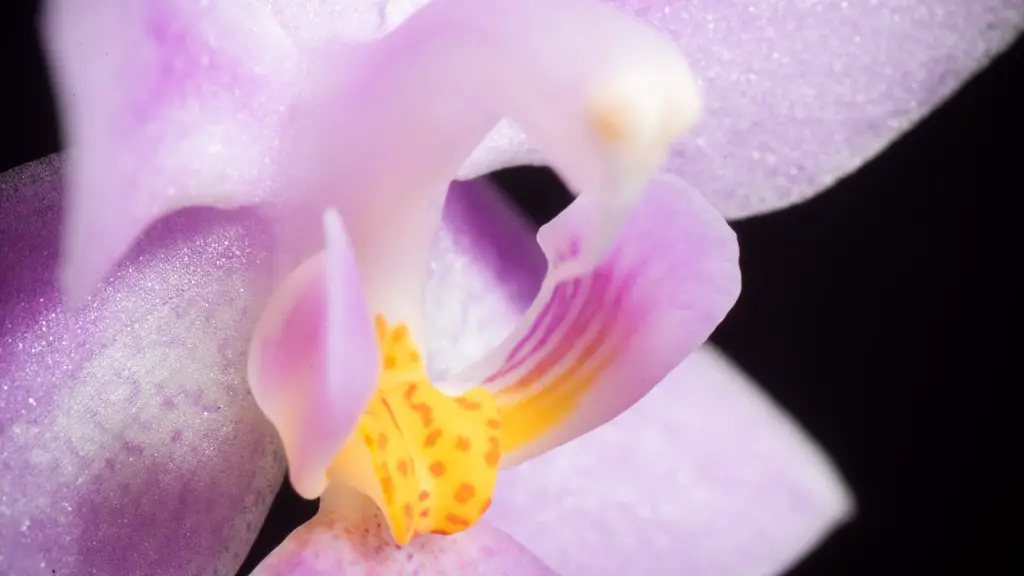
{"x":465,"y":493}
{"x":456,"y":520}
{"x":426,"y":414}
{"x":410,"y":391}
{"x":434,"y":456}
{"x":485,"y":506}
{"x":387,"y":486}
{"x":493,"y":455}
{"x":432,"y":438}
{"x":438,"y":469}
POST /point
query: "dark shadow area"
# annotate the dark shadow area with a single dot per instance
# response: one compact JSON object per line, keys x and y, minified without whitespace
{"x":871,"y":314}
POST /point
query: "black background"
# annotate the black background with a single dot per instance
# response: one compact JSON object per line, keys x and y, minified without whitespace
{"x":869,"y":312}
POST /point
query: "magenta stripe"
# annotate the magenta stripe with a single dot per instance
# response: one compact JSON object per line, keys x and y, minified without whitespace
{"x":566,"y":293}
{"x":558,"y":295}
{"x":612,"y":313}
{"x":592,"y":304}
{"x":542,"y":333}
{"x":577,"y":287}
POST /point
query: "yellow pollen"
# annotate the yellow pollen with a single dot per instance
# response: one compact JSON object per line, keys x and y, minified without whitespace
{"x":434,"y":457}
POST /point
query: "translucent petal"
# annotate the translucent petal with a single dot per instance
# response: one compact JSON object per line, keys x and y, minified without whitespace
{"x":799,"y":94}
{"x":704,"y":477}
{"x":314,"y":360}
{"x":602,"y":104}
{"x":164,"y":104}
{"x":593,"y":345}
{"x":327,"y":545}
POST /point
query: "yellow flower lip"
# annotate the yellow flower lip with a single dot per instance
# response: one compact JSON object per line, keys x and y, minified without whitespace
{"x":428,"y":460}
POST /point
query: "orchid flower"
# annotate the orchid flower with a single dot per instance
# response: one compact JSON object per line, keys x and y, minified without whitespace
{"x":129,"y":412}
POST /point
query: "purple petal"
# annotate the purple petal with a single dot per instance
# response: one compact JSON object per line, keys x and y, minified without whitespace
{"x":165,"y":104}
{"x":705,"y":476}
{"x":603,"y":105}
{"x":592,"y":345}
{"x":328,"y":546}
{"x":314,"y":361}
{"x":754,"y":492}
{"x":130,"y":442}
{"x":798,"y":94}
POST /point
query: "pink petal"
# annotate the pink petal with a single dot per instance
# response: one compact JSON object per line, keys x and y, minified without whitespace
{"x":705,"y":477}
{"x":130,"y":442}
{"x":314,"y":361}
{"x":310,"y":23}
{"x":424,"y":96}
{"x":756,"y":493}
{"x":591,"y":346}
{"x":799,"y":94}
{"x":165,"y":104}
{"x":328,"y":546}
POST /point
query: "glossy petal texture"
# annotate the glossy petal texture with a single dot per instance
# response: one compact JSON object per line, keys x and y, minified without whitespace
{"x":704,"y":477}
{"x":314,"y":360}
{"x":166,"y":104}
{"x":592,"y":345}
{"x":799,"y":93}
{"x":603,"y":105}
{"x":327,"y":546}
{"x":130,"y":442}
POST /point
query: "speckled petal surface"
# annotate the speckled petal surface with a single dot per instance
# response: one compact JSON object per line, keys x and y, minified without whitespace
{"x":799,"y":93}
{"x":327,"y":546}
{"x":164,"y":104}
{"x":131,"y":444}
{"x":703,"y":477}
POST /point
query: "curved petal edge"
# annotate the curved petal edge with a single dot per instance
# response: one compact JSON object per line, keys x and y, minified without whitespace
{"x":330,"y":544}
{"x":127,"y":432}
{"x":593,"y":344}
{"x":706,"y":476}
{"x":314,"y":359}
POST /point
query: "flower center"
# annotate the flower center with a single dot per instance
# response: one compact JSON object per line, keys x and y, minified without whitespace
{"x":434,"y":458}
